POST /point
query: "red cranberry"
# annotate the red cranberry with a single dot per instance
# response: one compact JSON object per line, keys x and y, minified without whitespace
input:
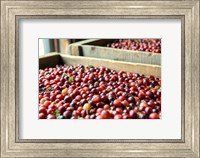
{"x":153,"y":116}
{"x":47,"y":103}
{"x":145,"y":81}
{"x":61,"y":109}
{"x":92,"y":116}
{"x":119,"y":110}
{"x":83,"y":113}
{"x":141,"y":115}
{"x":67,"y":114}
{"x":121,"y":98}
{"x":96,"y":98}
{"x":50,"y":111}
{"x":141,"y":95}
{"x":125,"y":103}
{"x":87,"y":117}
{"x":126,"y":116}
{"x":150,"y":94}
{"x":99,"y":117}
{"x":148,"y":110}
{"x":118,"y":116}
{"x":42,"y":110}
{"x":151,"y":103}
{"x":99,"y":110}
{"x":75,"y":114}
{"x":117,"y":103}
{"x":105,"y":114}
{"x":131,"y":99}
{"x":133,"y":114}
{"x":106,"y":107}
{"x":67,"y":99}
{"x":80,"y":109}
{"x":50,"y":116}
{"x":143,"y":104}
{"x":42,"y":116}
{"x":92,"y":111}
{"x":60,"y":96}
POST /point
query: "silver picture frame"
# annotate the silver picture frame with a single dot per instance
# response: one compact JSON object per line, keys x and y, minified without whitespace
{"x":13,"y":11}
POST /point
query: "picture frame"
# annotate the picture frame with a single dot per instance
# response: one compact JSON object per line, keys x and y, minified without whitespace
{"x":13,"y":11}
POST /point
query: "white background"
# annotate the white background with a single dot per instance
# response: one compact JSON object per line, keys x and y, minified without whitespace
{"x":41,"y":47}
{"x":169,"y":127}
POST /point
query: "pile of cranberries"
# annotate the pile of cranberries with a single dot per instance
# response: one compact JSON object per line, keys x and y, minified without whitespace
{"x":147,"y":45}
{"x":87,"y":92}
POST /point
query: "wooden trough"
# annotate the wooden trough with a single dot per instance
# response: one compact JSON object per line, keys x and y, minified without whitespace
{"x":53,"y":59}
{"x":96,"y":48}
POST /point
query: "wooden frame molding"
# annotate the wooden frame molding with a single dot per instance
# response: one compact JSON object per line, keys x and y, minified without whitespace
{"x":13,"y":11}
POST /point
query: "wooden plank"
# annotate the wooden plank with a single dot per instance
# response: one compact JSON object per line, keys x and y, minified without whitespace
{"x":94,"y":48}
{"x":76,"y":49}
{"x":145,"y":69}
{"x":98,"y":42}
{"x":121,"y":55}
{"x":63,"y":44}
{"x":49,"y":60}
{"x":86,"y":41}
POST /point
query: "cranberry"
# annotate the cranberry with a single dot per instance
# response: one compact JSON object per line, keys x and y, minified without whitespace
{"x":92,"y":116}
{"x":153,"y":116}
{"x":148,"y":110}
{"x":42,"y":100}
{"x":141,"y":108}
{"x":105,"y":114}
{"x":104,"y":98}
{"x":111,"y":97}
{"x":118,"y":116}
{"x":80,"y":108}
{"x":50,"y":116}
{"x":42,"y":116}
{"x":141,"y":95}
{"x":141,"y":115}
{"x":99,"y":117}
{"x":106,"y":107}
{"x":121,"y":98}
{"x":150,"y":94}
{"x":53,"y":97}
{"x":92,"y":111}
{"x":125,"y":103}
{"x":50,"y":111}
{"x":61,"y":109}
{"x":126,"y":116}
{"x":96,"y":98}
{"x":42,"y":110}
{"x":60,"y":96}
{"x":131,"y":99}
{"x":151,"y":103}
{"x":87,"y":117}
{"x":83,"y":113}
{"x":158,"y":93}
{"x":133,"y":114}
{"x":145,"y":81}
{"x":67,"y":99}
{"x":67,"y":114}
{"x":99,"y":110}
{"x":143,"y":104}
{"x":117,"y":103}
{"x":119,"y":110}
{"x":78,"y":97}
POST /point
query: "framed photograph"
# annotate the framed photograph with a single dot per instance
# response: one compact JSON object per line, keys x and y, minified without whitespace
{"x":100,"y":78}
